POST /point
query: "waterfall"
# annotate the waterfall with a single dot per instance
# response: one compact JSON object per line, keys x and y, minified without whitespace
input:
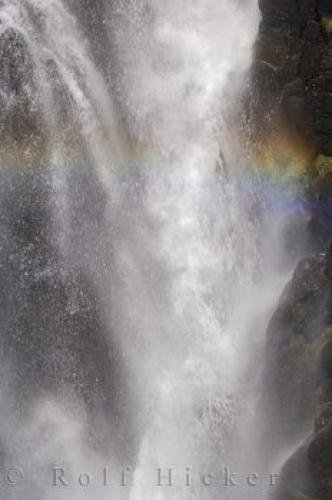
{"x":140,"y":266}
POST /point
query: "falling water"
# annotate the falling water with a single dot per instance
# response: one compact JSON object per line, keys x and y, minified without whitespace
{"x":151,"y":276}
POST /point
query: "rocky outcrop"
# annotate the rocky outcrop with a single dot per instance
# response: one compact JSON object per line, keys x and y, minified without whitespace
{"x":307,"y":474}
{"x":292,"y":81}
{"x":298,"y":379}
{"x":293,"y":71}
{"x":296,"y":334}
{"x":319,"y":201}
{"x":292,"y":78}
{"x":291,"y":112}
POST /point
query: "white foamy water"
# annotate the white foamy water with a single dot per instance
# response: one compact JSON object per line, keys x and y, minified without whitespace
{"x":177,"y":253}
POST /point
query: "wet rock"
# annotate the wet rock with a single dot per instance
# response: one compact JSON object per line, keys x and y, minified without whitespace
{"x":325,"y":369}
{"x":298,"y":378}
{"x":295,"y":40}
{"x":320,"y":462}
{"x":296,"y":337}
{"x":308,"y":472}
{"x":55,"y":341}
{"x":324,"y":416}
{"x":295,"y":481}
{"x":319,"y":201}
{"x":292,"y":81}
{"x":20,"y":117}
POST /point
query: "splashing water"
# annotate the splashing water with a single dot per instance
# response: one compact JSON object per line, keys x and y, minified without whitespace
{"x":142,"y":200}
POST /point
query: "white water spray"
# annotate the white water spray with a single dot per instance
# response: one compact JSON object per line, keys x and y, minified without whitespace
{"x":181,"y":275}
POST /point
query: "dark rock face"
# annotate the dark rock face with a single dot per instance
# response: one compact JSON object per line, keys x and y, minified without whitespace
{"x":319,"y":201}
{"x":298,"y":379}
{"x":293,"y":70}
{"x":296,"y":334}
{"x":291,"y":95}
{"x":292,"y":82}
{"x":307,"y":474}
